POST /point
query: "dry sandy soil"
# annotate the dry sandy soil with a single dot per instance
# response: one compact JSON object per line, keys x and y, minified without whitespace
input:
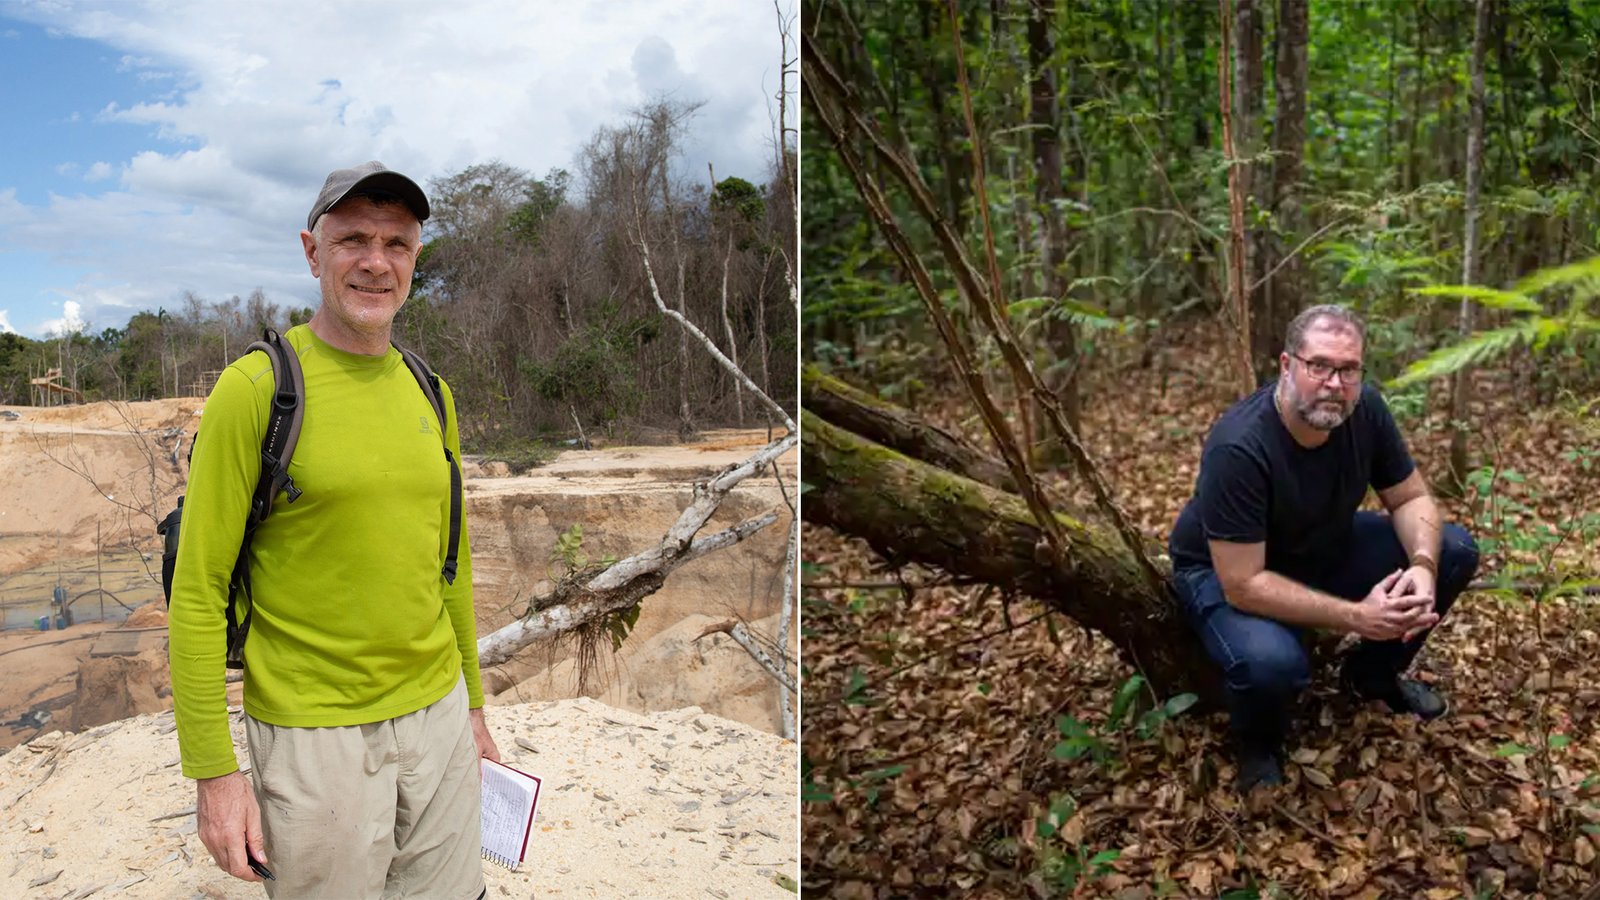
{"x":690,"y":793}
{"x":678,"y":804}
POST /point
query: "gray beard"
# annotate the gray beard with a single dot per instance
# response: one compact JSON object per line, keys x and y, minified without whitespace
{"x":1321,"y":417}
{"x":1314,"y":413}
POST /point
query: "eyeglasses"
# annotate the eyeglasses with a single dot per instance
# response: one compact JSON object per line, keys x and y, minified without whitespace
{"x":1321,"y":370}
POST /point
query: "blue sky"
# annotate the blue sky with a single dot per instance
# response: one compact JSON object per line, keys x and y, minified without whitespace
{"x":153,"y":149}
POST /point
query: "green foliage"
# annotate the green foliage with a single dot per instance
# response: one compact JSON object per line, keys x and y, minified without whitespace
{"x":810,"y":790}
{"x":1081,"y":739}
{"x":1061,"y":865}
{"x":620,"y":624}
{"x":1539,"y":325}
{"x":543,"y":198}
{"x":569,"y":549}
{"x":739,"y":197}
{"x":595,"y":371}
{"x":1510,"y":527}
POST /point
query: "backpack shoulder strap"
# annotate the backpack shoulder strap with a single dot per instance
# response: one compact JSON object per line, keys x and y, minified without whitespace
{"x":284,"y":418}
{"x":429,"y":383}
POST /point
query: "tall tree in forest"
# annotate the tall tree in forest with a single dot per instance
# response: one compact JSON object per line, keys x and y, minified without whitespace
{"x":1236,"y":307}
{"x":1280,"y":277}
{"x":1045,"y":117}
{"x":1249,"y":106}
{"x":1461,"y":386}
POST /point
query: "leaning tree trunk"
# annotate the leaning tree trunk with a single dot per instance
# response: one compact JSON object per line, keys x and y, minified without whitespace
{"x":910,"y":511}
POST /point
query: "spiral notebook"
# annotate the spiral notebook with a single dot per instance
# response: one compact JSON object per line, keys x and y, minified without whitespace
{"x":510,"y":798}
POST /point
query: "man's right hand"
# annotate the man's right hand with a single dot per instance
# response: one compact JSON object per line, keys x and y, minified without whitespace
{"x":229,"y":821}
{"x":1381,"y":617}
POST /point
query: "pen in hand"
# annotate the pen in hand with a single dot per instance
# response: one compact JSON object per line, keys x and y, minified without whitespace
{"x":258,"y":868}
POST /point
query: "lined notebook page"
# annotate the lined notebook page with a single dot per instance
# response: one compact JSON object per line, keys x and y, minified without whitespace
{"x":510,"y":799}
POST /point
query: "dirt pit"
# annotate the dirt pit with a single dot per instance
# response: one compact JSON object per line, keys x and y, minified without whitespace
{"x":93,"y":480}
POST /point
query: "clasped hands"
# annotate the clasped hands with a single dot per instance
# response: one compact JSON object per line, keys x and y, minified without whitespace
{"x":1400,"y":606}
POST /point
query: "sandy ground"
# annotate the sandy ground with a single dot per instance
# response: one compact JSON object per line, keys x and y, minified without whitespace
{"x":676,"y":804}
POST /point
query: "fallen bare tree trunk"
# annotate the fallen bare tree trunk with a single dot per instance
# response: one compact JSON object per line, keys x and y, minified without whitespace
{"x":619,"y":587}
{"x":741,"y":635}
{"x":910,"y":511}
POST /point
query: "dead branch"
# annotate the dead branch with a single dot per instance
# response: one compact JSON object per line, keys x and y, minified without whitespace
{"x":698,"y":335}
{"x":735,"y":629}
{"x":631,"y":580}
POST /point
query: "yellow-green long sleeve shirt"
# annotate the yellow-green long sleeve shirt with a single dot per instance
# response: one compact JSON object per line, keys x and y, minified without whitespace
{"x":353,"y":622}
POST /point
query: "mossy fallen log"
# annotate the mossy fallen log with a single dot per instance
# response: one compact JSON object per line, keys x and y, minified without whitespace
{"x":910,"y":511}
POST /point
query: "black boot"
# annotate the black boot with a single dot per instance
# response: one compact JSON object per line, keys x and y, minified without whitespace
{"x":1258,"y":725}
{"x":1259,"y":766}
{"x":1400,"y":694}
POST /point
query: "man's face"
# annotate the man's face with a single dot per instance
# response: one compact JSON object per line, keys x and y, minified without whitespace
{"x":364,"y":258}
{"x":1323,"y":403}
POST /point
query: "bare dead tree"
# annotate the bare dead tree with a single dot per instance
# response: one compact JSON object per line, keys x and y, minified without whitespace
{"x":138,"y":494}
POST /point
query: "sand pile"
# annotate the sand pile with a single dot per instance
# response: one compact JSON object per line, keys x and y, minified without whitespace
{"x":677,"y":804}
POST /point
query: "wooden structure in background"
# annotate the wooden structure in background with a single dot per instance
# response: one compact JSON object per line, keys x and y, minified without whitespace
{"x":44,"y":391}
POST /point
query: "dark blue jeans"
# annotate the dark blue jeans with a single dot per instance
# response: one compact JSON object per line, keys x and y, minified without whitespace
{"x":1263,"y":661}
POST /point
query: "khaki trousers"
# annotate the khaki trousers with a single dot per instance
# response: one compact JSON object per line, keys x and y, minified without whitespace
{"x":388,"y":809}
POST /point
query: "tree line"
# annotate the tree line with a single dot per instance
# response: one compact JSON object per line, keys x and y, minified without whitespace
{"x":531,"y":298}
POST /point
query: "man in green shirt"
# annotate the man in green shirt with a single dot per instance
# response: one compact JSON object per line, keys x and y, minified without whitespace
{"x":361,"y":663}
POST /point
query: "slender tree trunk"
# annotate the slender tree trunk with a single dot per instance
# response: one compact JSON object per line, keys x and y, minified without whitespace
{"x":1045,"y":117}
{"x":685,"y":418}
{"x":785,"y":616}
{"x":952,"y":161}
{"x":1413,"y":176}
{"x":1248,"y":109}
{"x":727,"y":327}
{"x":1461,"y":387}
{"x":1235,"y":306}
{"x":1280,"y":294}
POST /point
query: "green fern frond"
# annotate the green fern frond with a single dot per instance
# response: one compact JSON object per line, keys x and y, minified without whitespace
{"x":1481,"y":346}
{"x":1560,"y":275}
{"x":1088,"y":314}
{"x":1483,"y":296}
{"x":1028,"y":306}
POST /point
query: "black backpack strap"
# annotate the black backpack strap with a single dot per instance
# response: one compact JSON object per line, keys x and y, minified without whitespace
{"x":429,"y":383}
{"x":284,"y":418}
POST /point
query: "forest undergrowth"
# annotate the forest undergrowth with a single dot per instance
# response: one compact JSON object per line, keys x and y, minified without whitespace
{"x":957,"y":742}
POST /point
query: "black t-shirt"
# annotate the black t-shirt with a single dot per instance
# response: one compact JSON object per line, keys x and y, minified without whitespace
{"x":1257,"y":484}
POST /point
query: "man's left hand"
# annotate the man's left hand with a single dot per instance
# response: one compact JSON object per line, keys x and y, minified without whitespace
{"x":480,"y":735}
{"x":1418,"y":581}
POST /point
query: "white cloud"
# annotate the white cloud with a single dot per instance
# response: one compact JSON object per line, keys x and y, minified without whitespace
{"x":70,"y":322}
{"x":5,"y":322}
{"x":265,"y":99}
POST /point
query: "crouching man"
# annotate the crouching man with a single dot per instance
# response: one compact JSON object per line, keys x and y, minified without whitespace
{"x":1272,"y":543}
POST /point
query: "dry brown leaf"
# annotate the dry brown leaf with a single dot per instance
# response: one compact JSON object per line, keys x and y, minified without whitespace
{"x":1582,"y":850}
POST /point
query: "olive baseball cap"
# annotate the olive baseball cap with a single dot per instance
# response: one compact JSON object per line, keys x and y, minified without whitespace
{"x":369,"y":176}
